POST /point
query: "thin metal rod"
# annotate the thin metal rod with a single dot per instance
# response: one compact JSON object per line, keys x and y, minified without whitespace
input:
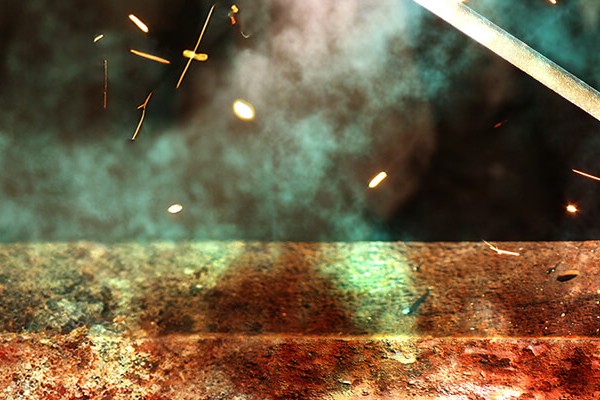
{"x":517,"y":53}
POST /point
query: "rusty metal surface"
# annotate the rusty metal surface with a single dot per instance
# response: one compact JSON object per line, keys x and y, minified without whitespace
{"x":299,"y":320}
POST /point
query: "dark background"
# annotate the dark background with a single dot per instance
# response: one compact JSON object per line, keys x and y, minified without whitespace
{"x":474,"y":148}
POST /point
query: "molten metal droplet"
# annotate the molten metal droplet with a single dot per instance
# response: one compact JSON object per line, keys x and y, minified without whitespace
{"x":243,"y":110}
{"x":572,"y":208}
{"x":175,"y":208}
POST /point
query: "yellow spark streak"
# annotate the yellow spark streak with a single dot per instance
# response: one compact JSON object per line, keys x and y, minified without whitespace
{"x":143,"y":107}
{"x":377,"y":180}
{"x":552,"y":2}
{"x":187,"y":65}
{"x":99,"y":37}
{"x":138,"y":22}
{"x":244,"y":110}
{"x":500,"y":251}
{"x":150,"y":56}
{"x":572,"y":208}
{"x":586,"y":175}
{"x":198,"y":57}
{"x":517,"y":53}
{"x":105,"y":82}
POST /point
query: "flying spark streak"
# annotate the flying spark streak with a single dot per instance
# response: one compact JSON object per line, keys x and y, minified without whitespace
{"x":195,"y":51}
{"x":143,"y":107}
{"x":105,"y":82}
{"x":572,"y":209}
{"x":198,"y":57}
{"x":553,"y":2}
{"x":377,"y":180}
{"x":138,"y":22}
{"x":243,"y":110}
{"x":98,"y":38}
{"x":500,"y":251}
{"x":586,"y":175}
{"x":517,"y":53}
{"x":150,"y":56}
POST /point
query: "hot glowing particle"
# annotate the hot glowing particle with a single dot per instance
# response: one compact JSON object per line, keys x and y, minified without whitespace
{"x":98,"y":38}
{"x":175,"y":208}
{"x":243,"y":110}
{"x":150,"y":56}
{"x":553,"y":2}
{"x":143,"y":107}
{"x":586,"y":175}
{"x":195,"y":51}
{"x":517,"y":53}
{"x":572,"y":209}
{"x":198,"y":57}
{"x":138,"y":22}
{"x":233,"y":10}
{"x":377,"y":179}
{"x":105,"y":82}
{"x":500,"y":251}
{"x":499,"y":124}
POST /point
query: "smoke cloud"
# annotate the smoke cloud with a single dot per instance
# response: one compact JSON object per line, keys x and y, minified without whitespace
{"x":342,"y":91}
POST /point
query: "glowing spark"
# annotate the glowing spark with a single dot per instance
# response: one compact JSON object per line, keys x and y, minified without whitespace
{"x":234,"y":10}
{"x":572,"y":209}
{"x":143,"y":107}
{"x":243,"y":110}
{"x":138,"y":22}
{"x":500,"y":251}
{"x":150,"y":56}
{"x":105,"y":82}
{"x":586,"y":175}
{"x":175,"y":208}
{"x":98,"y":38}
{"x":198,"y":57}
{"x":553,"y":2}
{"x":377,"y":180}
{"x":517,"y":53}
{"x":187,"y":65}
{"x":499,"y":124}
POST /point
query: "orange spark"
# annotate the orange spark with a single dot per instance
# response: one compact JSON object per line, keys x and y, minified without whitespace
{"x":499,"y":124}
{"x":572,"y":209}
{"x":99,"y":37}
{"x":143,"y":107}
{"x":377,"y":180}
{"x":187,"y":65}
{"x":553,"y":2}
{"x":150,"y":56}
{"x":105,"y":82}
{"x":500,"y":251}
{"x":138,"y":22}
{"x":586,"y":175}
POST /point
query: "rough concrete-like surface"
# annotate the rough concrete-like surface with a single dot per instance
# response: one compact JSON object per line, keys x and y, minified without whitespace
{"x":248,"y":320}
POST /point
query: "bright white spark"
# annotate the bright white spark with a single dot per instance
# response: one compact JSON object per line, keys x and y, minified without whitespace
{"x":243,"y":110}
{"x":138,"y":22}
{"x":377,"y":180}
{"x":500,"y":251}
{"x":175,"y":208}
